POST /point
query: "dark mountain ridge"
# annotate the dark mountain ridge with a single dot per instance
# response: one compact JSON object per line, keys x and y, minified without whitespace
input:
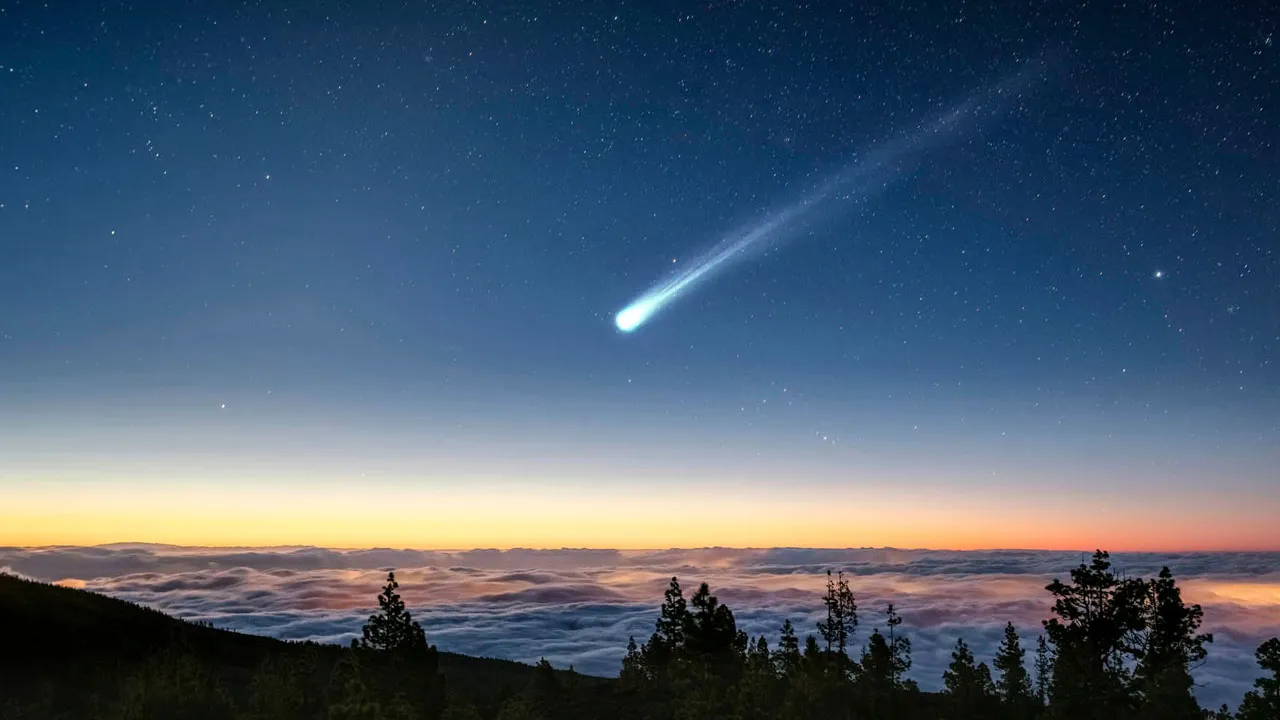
{"x":68,"y":651}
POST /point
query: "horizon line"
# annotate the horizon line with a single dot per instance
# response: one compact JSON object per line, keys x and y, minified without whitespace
{"x":567,"y":548}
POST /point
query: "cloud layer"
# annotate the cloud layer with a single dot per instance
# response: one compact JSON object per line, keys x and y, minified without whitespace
{"x":579,"y":606}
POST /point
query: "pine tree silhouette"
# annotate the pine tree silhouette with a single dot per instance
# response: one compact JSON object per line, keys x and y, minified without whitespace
{"x":1098,"y":616}
{"x":1014,"y":683}
{"x":899,"y":647}
{"x":633,"y":665}
{"x":1168,"y":651}
{"x":392,"y":628}
{"x":1263,"y":701}
{"x":710,"y":630}
{"x":842,"y":617}
{"x":787,"y":657}
{"x":667,"y":641}
{"x":1044,"y":670}
{"x":968,"y":686}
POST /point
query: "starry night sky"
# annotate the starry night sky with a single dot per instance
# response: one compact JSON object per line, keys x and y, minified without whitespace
{"x":269,"y":268}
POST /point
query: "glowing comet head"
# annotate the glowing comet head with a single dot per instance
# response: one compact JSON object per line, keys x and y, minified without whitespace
{"x":633,"y":315}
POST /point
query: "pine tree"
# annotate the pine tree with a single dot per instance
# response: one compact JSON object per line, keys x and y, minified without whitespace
{"x":1044,"y":670}
{"x":848,"y":605}
{"x":805,"y":685}
{"x":899,"y":648}
{"x":1170,"y":647}
{"x":842,"y":620}
{"x":985,"y":682}
{"x":957,"y":679}
{"x":757,"y":689}
{"x":1014,"y":685}
{"x":673,"y":616}
{"x":633,"y":666}
{"x":392,"y":628}
{"x":1098,"y":615}
{"x":875,"y":686}
{"x":668,"y":641}
{"x":968,"y":686}
{"x":1263,"y":701}
{"x":710,"y":631}
{"x":879,"y":686}
{"x":812,"y":651}
{"x":787,"y":657}
{"x":759,"y":650}
{"x":828,"y":628}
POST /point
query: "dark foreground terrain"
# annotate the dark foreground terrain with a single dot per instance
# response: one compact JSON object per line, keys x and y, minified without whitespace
{"x":75,"y":654}
{"x":1116,"y":649}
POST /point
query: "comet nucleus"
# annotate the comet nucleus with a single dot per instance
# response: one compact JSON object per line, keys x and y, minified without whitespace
{"x":631,"y":316}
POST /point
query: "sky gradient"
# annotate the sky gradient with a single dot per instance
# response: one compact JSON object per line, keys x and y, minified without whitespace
{"x":300,"y":273}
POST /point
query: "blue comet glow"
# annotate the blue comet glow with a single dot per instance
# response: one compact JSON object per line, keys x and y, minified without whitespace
{"x":872,"y":171}
{"x":635,"y":314}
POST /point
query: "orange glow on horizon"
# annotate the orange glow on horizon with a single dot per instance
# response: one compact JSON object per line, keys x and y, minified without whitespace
{"x":1242,"y":593}
{"x":503,"y":514}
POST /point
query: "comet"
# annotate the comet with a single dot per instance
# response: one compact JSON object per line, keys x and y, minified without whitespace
{"x":635,"y":314}
{"x":873,"y":170}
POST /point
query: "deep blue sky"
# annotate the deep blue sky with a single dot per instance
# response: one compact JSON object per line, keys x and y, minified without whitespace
{"x":396,"y":237}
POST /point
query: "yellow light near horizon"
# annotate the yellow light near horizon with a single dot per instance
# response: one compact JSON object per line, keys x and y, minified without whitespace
{"x":503,"y":513}
{"x":492,"y":514}
{"x":1245,"y":593}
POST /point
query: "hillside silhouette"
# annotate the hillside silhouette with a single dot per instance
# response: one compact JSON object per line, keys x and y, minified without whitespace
{"x":77,"y":654}
{"x":1116,"y":648}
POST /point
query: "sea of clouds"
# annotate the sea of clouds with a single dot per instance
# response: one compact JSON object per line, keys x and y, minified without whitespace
{"x":579,"y":606}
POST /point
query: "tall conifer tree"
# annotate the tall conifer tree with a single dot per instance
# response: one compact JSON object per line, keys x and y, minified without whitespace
{"x":1013,"y":683}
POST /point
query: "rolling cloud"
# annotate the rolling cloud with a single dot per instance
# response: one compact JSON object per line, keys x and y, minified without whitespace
{"x":579,"y":606}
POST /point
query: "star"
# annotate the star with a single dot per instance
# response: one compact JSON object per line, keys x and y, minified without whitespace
{"x":1159,"y":274}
